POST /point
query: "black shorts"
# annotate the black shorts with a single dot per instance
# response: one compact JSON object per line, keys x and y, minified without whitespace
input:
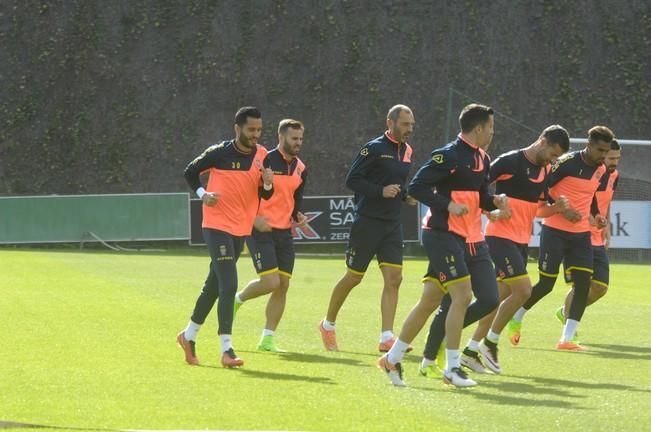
{"x":451,"y":259}
{"x":374,"y":237}
{"x":510,"y":258}
{"x":272,"y":251}
{"x":601,"y":267}
{"x":556,"y":246}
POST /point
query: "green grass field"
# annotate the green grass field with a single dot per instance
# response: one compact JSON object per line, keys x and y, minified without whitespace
{"x":89,"y":344}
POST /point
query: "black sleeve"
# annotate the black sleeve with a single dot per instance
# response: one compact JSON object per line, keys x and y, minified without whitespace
{"x":594,"y":206}
{"x":206,"y":160}
{"x":298,"y":195}
{"x":357,"y":178}
{"x":438,"y":168}
{"x":544,"y":195}
{"x":485,"y":198}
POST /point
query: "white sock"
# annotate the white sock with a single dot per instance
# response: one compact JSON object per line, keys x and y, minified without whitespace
{"x":426,"y":362}
{"x":453,"y":359}
{"x":190,"y":332}
{"x":569,"y":329}
{"x":385,"y":336}
{"x":267,"y":332}
{"x":493,"y":337}
{"x":397,"y":351}
{"x":227,"y":342}
{"x":473,"y":345}
{"x":519,"y":314}
{"x":328,"y":325}
{"x":238,"y":300}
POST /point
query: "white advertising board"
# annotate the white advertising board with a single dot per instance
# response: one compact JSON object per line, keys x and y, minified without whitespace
{"x":630,"y":225}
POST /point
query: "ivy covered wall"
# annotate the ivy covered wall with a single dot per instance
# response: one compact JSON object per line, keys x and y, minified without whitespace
{"x":117,"y":96}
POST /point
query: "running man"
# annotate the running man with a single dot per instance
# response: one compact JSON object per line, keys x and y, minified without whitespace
{"x":238,"y":178}
{"x":577,"y":176}
{"x":271,"y":243}
{"x":378,"y":176}
{"x":600,"y":237}
{"x":454,"y":185}
{"x":522,"y":176}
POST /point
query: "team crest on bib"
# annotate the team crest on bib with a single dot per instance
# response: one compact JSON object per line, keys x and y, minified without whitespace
{"x":564,"y":158}
{"x":438,"y":158}
{"x":364,"y":152}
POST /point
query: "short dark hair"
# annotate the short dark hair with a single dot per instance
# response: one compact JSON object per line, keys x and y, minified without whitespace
{"x":600,"y":133}
{"x":556,"y":134}
{"x":614,"y":145}
{"x":394,"y":111}
{"x":245,"y":112}
{"x":289,"y":123}
{"x":473,"y":115}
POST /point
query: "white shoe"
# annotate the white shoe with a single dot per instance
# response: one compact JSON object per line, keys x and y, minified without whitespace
{"x":458,"y":378}
{"x":489,"y":353}
{"x":471,"y":360}
{"x":394,"y":371}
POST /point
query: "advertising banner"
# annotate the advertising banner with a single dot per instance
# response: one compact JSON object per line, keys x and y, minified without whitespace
{"x":329,"y":219}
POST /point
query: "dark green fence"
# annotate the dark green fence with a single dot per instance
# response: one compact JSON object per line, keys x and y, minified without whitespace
{"x":71,"y":218}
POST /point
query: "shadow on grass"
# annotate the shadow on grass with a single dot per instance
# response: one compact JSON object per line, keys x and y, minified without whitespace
{"x":285,"y":376}
{"x":603,"y":351}
{"x":503,"y":399}
{"x":623,"y":348}
{"x":521,"y":401}
{"x":514,"y":387}
{"x":15,"y":425}
{"x":618,"y":355}
{"x":318,"y":358}
{"x":276,"y":376}
{"x":582,"y":385}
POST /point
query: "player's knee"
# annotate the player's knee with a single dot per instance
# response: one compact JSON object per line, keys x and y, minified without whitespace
{"x":521,"y":291}
{"x":491,"y":303}
{"x":283,"y":287}
{"x":393,"y":280}
{"x":353,"y":279}
{"x":598,"y":290}
{"x":431,"y":297}
{"x":465,"y":298}
{"x":270,"y":282}
{"x":426,"y":305}
{"x":546,"y":284}
{"x":210,"y":292}
{"x":284,"y":284}
{"x":462,"y":297}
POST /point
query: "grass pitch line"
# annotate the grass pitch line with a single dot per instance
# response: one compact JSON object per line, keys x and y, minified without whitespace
{"x":17,"y":425}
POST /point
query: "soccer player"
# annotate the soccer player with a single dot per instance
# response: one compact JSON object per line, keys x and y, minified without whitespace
{"x":600,"y":237}
{"x":271,"y":243}
{"x":522,"y":176}
{"x":378,"y":177}
{"x":237,"y":179}
{"x":454,"y":185}
{"x":577,"y":176}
